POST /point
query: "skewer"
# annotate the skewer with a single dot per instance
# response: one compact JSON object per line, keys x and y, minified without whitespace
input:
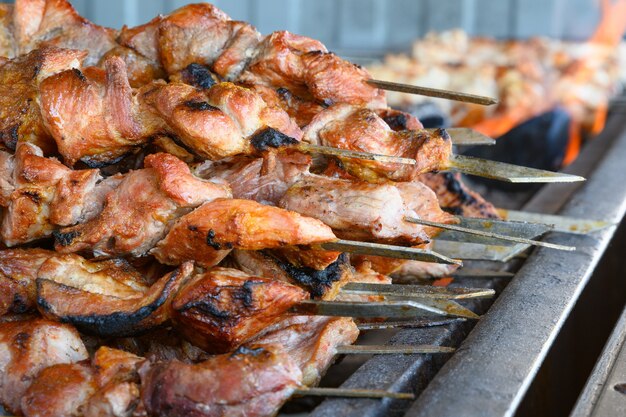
{"x":346,"y":153}
{"x":433,"y":92}
{"x":417,"y":291}
{"x":389,"y":251}
{"x":353,"y":393}
{"x":503,"y":227}
{"x":406,"y":324}
{"x":392,"y":349}
{"x":478,"y":251}
{"x":463,"y":136}
{"x":489,"y":234}
{"x":393,"y":309}
{"x":559,"y":223}
{"x":506,"y":172}
{"x":481,"y":273}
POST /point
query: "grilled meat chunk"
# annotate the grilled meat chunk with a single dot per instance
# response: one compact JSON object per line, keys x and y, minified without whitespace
{"x":222,"y":121}
{"x":59,"y":390}
{"x":104,"y":298}
{"x":18,"y":272}
{"x":29,"y":346}
{"x":305,"y":67}
{"x":112,"y":119}
{"x":224,"y":308}
{"x":457,"y":198}
{"x":47,"y":196}
{"x":20,"y":117}
{"x":40,"y":23}
{"x":299,"y":109}
{"x":311,"y":341}
{"x":252,"y":381}
{"x":207,"y":234}
{"x":363,"y":273}
{"x":321,"y":281}
{"x":137,"y":214}
{"x":362,"y":129}
{"x":364,"y":211}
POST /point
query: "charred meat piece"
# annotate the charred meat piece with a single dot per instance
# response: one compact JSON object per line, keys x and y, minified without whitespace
{"x":223,"y":121}
{"x":299,"y":109}
{"x":137,"y":214}
{"x":203,"y":34}
{"x":59,"y":390}
{"x":18,"y":272}
{"x":29,"y":346}
{"x":224,"y":308}
{"x":305,"y":67}
{"x":94,"y":115}
{"x":364,"y":211}
{"x":252,"y":381}
{"x":207,"y":234}
{"x":264,"y":180}
{"x":321,"y":282}
{"x":457,"y":198}
{"x":103,"y":298}
{"x":20,"y":117}
{"x":161,"y":344}
{"x":362,"y":129}
{"x":55,"y":23}
{"x":311,"y":341}
{"x":47,"y":196}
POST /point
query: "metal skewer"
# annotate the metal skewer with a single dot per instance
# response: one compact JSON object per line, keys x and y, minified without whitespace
{"x":417,"y":291}
{"x":390,"y":251}
{"x":558,"y":223}
{"x":406,"y":324}
{"x":481,"y":273}
{"x":392,"y":309}
{"x":463,"y":136}
{"x":346,"y":153}
{"x":433,"y":92}
{"x":478,"y":251}
{"x":489,"y":234}
{"x":392,"y":349}
{"x":353,"y":393}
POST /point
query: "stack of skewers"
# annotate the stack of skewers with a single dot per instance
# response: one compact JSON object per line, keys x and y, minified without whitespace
{"x":193,"y":215}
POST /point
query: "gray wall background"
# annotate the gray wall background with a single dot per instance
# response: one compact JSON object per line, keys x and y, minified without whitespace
{"x":376,"y":25}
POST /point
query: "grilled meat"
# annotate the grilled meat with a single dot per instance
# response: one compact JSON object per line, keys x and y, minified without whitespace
{"x":362,"y":129}
{"x":311,"y":341}
{"x":104,"y":298}
{"x":209,"y":233}
{"x":29,"y":346}
{"x":222,"y":121}
{"x":46,"y":195}
{"x":224,"y":308}
{"x":363,"y":211}
{"x":138,"y":212}
{"x":252,"y":381}
{"x":457,"y":198}
{"x":18,"y":272}
{"x":364,"y":273}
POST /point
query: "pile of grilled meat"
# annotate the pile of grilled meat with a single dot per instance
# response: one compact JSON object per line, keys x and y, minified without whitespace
{"x":159,"y":222}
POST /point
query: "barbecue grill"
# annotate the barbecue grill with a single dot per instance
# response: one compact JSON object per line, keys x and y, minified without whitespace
{"x":536,"y":343}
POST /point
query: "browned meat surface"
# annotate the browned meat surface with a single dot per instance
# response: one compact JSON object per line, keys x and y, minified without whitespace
{"x":47,"y":196}
{"x":140,"y":70}
{"x":364,"y":273}
{"x":161,"y":344}
{"x":221,"y":121}
{"x":39,"y":23}
{"x":59,"y":390}
{"x":398,"y":120}
{"x":93,"y":115}
{"x":207,"y":234}
{"x":29,"y":346}
{"x":299,"y":109}
{"x":224,"y":308}
{"x":18,"y":272}
{"x":104,"y":298}
{"x":311,"y":341}
{"x":306,"y":68}
{"x":137,"y":214}
{"x":203,"y":34}
{"x":364,"y":211}
{"x":264,"y":180}
{"x":323,"y":281}
{"x":250,"y":382}
{"x":20,"y":118}
{"x":457,"y":198}
{"x":362,"y":129}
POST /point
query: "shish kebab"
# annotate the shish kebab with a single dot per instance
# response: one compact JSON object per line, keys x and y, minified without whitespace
{"x":262,"y":66}
{"x":254,"y":380}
